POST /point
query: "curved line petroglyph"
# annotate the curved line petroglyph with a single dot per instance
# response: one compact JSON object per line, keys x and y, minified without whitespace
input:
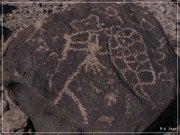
{"x":111,"y":12}
{"x":146,"y":25}
{"x":164,"y":71}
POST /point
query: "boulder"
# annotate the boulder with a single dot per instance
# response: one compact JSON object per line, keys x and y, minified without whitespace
{"x":92,"y":68}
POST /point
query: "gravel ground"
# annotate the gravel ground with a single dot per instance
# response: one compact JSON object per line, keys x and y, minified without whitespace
{"x":18,"y":16}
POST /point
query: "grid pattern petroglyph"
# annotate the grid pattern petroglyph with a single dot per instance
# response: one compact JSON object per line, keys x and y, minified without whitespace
{"x":133,"y":65}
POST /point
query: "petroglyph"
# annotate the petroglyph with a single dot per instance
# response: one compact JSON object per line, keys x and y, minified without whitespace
{"x":146,"y":25}
{"x":132,"y":46}
{"x":37,"y":26}
{"x":112,"y":12}
{"x":128,"y":100}
{"x":43,"y":47}
{"x":127,"y":39}
{"x":106,"y":119}
{"x":88,"y":24}
{"x":164,"y":74}
{"x":97,"y":89}
{"x":90,"y":62}
{"x":55,"y":38}
{"x":111,"y":99}
{"x":98,"y":64}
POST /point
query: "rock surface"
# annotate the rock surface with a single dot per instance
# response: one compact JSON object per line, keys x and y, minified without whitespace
{"x":13,"y":124}
{"x":13,"y":118}
{"x":102,"y":66}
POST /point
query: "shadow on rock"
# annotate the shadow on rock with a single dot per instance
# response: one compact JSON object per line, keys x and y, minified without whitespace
{"x":5,"y":9}
{"x":167,"y":120}
{"x":6,"y":32}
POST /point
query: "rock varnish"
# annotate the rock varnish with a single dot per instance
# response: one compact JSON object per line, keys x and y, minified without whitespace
{"x":108,"y":66}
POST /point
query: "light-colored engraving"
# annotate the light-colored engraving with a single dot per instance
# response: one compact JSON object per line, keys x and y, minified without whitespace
{"x":110,"y":98}
{"x":90,"y":62}
{"x":106,"y":119}
{"x":37,"y":26}
{"x":146,"y":25}
{"x":80,"y":106}
{"x":55,"y":38}
{"x":50,"y":81}
{"x":128,"y":100}
{"x":97,"y":89}
{"x":133,"y":37}
{"x":111,"y":12}
{"x":128,"y":40}
{"x":89,"y":24}
{"x":66,"y":90}
{"x":43,"y":47}
{"x":164,"y":75}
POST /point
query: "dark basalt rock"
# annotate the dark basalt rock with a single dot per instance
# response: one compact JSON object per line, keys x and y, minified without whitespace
{"x":102,"y":67}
